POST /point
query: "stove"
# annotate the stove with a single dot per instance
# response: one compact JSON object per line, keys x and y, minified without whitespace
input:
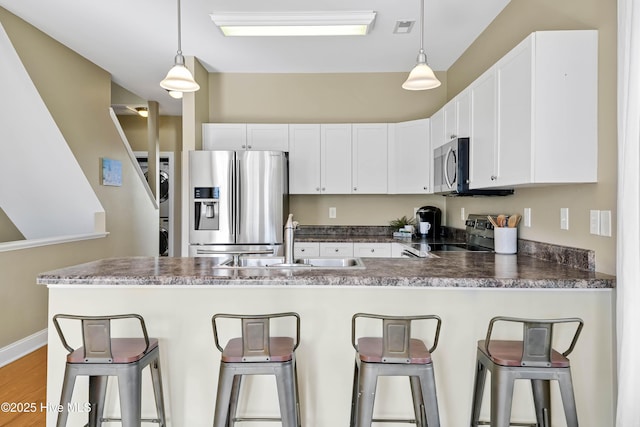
{"x":479,"y":237}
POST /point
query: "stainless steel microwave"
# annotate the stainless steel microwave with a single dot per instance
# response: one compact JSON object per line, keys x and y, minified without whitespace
{"x":451,"y":171}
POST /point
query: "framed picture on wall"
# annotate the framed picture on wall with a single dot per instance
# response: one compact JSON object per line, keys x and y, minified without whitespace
{"x":111,"y":172}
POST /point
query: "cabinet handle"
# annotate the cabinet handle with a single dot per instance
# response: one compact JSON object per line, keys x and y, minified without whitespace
{"x":453,"y":136}
{"x":249,"y":147}
{"x":425,"y":188}
{"x":317,"y":188}
{"x":373,"y":250}
{"x":302,"y":250}
{"x":324,"y":189}
{"x":355,"y":188}
{"x":243,"y":146}
{"x":493,"y":177}
{"x":337,"y":250}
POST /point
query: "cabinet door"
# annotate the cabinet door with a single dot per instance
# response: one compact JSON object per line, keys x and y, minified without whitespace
{"x":224,"y":136}
{"x":483,"y":131}
{"x":337,"y":249}
{"x":335,"y":158}
{"x":304,"y":159}
{"x":450,"y":120}
{"x":410,"y":158}
{"x":306,"y":249}
{"x":268,"y":137}
{"x":513,"y":77}
{"x":372,"y":250}
{"x":437,"y":129}
{"x":369,"y":161}
{"x":463,"y":104}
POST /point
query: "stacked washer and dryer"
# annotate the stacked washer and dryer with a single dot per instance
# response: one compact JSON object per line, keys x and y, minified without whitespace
{"x":164,"y":198}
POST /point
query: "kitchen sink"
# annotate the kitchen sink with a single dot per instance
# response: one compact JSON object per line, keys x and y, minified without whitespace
{"x":278,"y":262}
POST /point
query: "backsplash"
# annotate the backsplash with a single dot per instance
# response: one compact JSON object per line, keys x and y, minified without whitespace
{"x":583,"y":259}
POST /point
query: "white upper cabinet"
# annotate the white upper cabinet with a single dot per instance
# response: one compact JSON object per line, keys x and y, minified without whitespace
{"x":224,"y":136}
{"x":463,"y":109}
{"x":242,"y":136}
{"x":369,"y":161}
{"x":544,"y":128}
{"x":437,"y":131}
{"x":483,"y":131}
{"x":410,"y":158}
{"x":304,"y":159}
{"x":335,"y":158}
{"x":450,"y":120}
{"x":268,"y":137}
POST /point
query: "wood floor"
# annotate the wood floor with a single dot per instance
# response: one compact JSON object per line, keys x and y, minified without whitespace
{"x":23,"y":386}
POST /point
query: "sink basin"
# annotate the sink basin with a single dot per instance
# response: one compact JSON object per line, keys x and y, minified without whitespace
{"x":278,"y":262}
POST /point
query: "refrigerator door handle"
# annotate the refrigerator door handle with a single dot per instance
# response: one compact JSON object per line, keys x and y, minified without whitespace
{"x":238,"y":196}
{"x":232,"y":180}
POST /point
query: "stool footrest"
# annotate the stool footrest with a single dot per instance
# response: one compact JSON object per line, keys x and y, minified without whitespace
{"x":267,"y":419}
{"x":118,"y":420}
{"x":394,"y":420}
{"x":488,"y":423}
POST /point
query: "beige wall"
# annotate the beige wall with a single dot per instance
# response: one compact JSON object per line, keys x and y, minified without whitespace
{"x":519,"y":19}
{"x":328,"y":98}
{"x":8,"y":231}
{"x":77,"y":93}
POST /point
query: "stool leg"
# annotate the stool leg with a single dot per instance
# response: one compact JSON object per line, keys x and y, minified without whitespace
{"x":542,"y":401}
{"x":97,"y":392}
{"x":568,"y":399}
{"x":225,"y":385}
{"x":354,"y":396}
{"x":418,"y":400}
{"x":286,"y":394}
{"x":478,"y":391}
{"x":367,"y":382}
{"x":233,"y":403}
{"x":158,"y":394}
{"x":501,"y":396}
{"x":430,"y":399}
{"x":295,"y":383}
{"x":66,"y":394}
{"x":130,"y":389}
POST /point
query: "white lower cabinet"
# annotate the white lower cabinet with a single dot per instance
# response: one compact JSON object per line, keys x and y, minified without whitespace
{"x":306,"y":249}
{"x":372,"y":250}
{"x":333,"y":249}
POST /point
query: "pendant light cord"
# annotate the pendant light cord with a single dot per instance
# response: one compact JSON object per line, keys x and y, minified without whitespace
{"x":179,"y":31}
{"x":421,"y":25}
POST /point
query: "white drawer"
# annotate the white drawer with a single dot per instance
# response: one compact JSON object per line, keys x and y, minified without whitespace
{"x":306,"y":249}
{"x":336,"y":249}
{"x":372,"y":250}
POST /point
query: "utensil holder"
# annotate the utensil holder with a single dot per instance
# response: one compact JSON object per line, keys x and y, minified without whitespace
{"x":505,"y":240}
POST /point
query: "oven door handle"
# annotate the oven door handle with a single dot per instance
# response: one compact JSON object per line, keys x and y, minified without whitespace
{"x":446,"y":168}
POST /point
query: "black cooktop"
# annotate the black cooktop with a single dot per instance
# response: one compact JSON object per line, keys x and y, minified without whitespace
{"x":457,"y":247}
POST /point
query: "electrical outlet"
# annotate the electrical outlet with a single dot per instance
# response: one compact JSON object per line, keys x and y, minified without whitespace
{"x":527,"y":217}
{"x":332,"y":213}
{"x":463,"y":216}
{"x":564,"y":218}
{"x":605,"y":223}
{"x":594,"y":222}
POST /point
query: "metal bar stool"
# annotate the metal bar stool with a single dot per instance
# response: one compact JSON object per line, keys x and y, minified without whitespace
{"x":394,"y":354}
{"x":256,"y":352}
{"x":102,"y":356}
{"x":534,"y":359}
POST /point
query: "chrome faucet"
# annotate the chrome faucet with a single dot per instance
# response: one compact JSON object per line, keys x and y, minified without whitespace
{"x":289,"y":232}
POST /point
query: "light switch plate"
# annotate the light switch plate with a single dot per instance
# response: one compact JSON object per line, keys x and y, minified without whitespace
{"x":594,"y":222}
{"x":332,"y":212}
{"x":605,"y":223}
{"x":564,"y":218}
{"x":463,"y":216}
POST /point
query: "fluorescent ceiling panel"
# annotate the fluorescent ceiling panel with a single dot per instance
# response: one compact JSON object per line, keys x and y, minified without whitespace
{"x":344,"y":23}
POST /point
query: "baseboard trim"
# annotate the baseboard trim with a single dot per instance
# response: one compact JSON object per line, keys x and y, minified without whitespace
{"x":22,"y":347}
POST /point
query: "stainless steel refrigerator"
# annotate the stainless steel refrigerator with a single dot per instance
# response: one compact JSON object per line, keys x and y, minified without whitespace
{"x":238,"y":202}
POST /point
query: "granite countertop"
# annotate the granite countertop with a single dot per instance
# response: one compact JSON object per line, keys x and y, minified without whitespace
{"x":447,"y":269}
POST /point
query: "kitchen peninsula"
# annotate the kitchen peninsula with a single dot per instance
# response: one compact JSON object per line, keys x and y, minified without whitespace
{"x":178,"y":296}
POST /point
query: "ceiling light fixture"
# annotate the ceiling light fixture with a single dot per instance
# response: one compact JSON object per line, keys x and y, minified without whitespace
{"x":141,"y":111}
{"x":422,"y":76}
{"x":343,"y":23}
{"x":175,"y":94}
{"x":179,"y":77}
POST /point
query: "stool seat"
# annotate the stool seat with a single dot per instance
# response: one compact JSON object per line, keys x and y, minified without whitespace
{"x":123,"y":350}
{"x":281,"y":350}
{"x":509,"y":353}
{"x":370,"y":350}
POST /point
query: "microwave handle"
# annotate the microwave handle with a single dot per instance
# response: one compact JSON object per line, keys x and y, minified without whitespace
{"x":446,"y":169}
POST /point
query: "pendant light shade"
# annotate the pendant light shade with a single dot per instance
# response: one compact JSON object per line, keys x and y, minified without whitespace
{"x":422,"y":76}
{"x":179,"y":78}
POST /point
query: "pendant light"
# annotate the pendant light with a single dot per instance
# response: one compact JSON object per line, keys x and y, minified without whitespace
{"x":179,"y":78}
{"x":422,"y":76}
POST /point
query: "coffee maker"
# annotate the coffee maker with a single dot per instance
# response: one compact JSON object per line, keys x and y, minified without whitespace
{"x":429,"y":222}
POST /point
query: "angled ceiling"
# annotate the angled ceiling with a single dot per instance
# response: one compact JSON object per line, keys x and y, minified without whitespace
{"x":136,"y":40}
